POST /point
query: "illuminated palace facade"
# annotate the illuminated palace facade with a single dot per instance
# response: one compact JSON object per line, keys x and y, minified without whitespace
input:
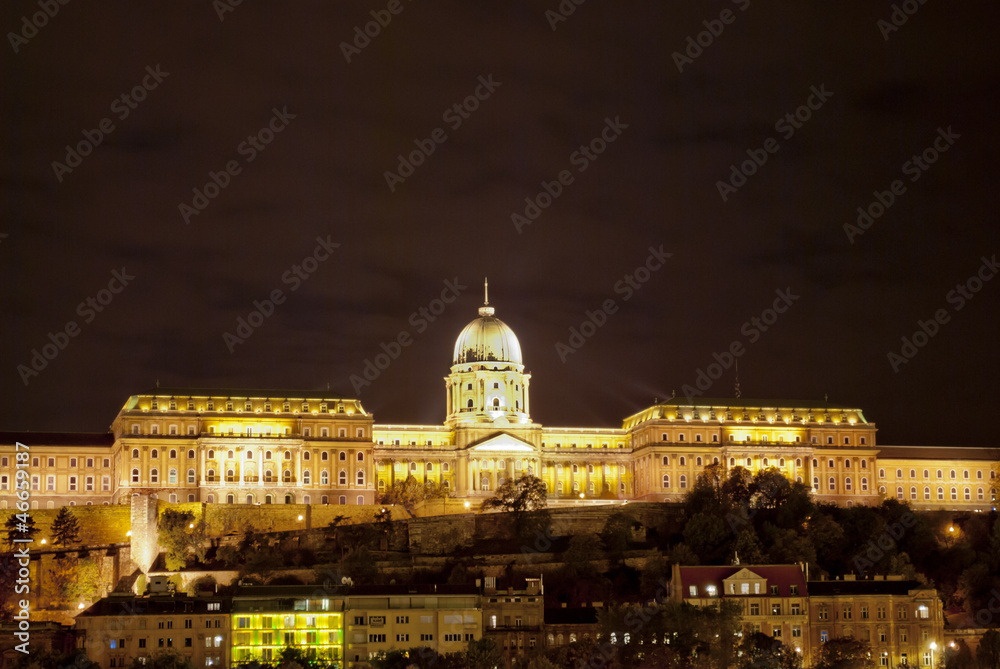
{"x":250,"y":447}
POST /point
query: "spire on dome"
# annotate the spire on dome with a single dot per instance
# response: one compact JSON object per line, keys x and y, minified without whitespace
{"x":486,"y":309}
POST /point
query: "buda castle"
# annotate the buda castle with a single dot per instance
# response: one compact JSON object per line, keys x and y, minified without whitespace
{"x":233,"y":446}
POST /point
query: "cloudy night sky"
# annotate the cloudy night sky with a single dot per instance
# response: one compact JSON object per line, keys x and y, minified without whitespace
{"x":679,"y":118}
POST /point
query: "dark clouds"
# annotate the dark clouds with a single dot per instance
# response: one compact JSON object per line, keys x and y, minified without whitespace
{"x":656,"y":184}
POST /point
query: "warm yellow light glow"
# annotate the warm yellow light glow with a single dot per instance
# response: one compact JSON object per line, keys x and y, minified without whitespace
{"x":300,"y":517}
{"x":933,"y":645}
{"x":80,"y":605}
{"x":581,"y":495}
{"x":467,"y":505}
{"x":129,"y":533}
{"x":43,"y":542}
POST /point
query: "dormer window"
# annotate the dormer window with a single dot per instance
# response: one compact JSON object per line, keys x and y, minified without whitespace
{"x":229,"y":406}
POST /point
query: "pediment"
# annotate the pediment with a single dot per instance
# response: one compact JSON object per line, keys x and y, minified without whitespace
{"x":502,"y":442}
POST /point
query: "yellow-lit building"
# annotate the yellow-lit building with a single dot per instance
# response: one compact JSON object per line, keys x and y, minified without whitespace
{"x":265,"y":620}
{"x":260,"y":447}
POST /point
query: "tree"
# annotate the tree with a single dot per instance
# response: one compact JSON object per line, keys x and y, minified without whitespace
{"x":410,"y":492}
{"x":523,"y":501}
{"x":20,"y":526}
{"x":181,"y":535}
{"x":359,"y":566}
{"x":988,"y":653}
{"x":164,"y":659}
{"x":615,"y":535}
{"x":484,"y":654}
{"x":845,"y":653}
{"x":759,"y":650}
{"x":959,"y":657}
{"x":65,"y":528}
{"x":705,"y":534}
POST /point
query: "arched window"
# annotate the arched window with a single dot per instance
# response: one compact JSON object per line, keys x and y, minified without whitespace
{"x":927,"y":492}
{"x":268,"y":476}
{"x":940,"y":494}
{"x":172,"y":476}
{"x":211,"y":499}
{"x":135,"y":475}
{"x":864,"y":484}
{"x":881,"y":473}
{"x":732,"y":461}
{"x":954,"y":494}
{"x":288,"y":455}
{"x":833,"y":483}
{"x":763,"y":462}
{"x":211,"y":474}
{"x":173,"y":454}
{"x":979,"y":494}
{"x":230,"y":499}
{"x":324,"y":477}
{"x":666,"y":480}
{"x":135,"y":452}
{"x":899,"y":473}
{"x":781,"y":462}
{"x":305,"y":455}
{"x":575,"y":469}
{"x":249,"y":455}
{"x":683,"y":482}
{"x":154,"y":475}
{"x":191,"y":475}
{"x":683,"y":461}
{"x":211,"y":455}
{"x":847,"y":484}
{"x":749,"y":462}
{"x":445,"y":467}
{"x":913,"y":492}
{"x":286,"y":476}
{"x":306,"y":477}
{"x":342,"y":477}
{"x":342,"y":457}
{"x":968,"y":494}
{"x":324,"y":456}
{"x":698,"y":461}
{"x":798,"y":462}
{"x":952,"y":473}
{"x":249,"y":499}
{"x":229,"y":455}
{"x":665,"y":461}
{"x":361,"y":456}
{"x":847,"y":462}
{"x":715,"y":461}
{"x":469,"y":404}
{"x":899,"y":492}
{"x":230,"y":476}
{"x":154,"y":454}
{"x":191,"y":454}
{"x":430,"y":467}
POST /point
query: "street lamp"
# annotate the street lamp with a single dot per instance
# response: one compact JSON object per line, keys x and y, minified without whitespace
{"x":933,"y":648}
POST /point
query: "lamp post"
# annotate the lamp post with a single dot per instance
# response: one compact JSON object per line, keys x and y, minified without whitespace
{"x":933,"y":648}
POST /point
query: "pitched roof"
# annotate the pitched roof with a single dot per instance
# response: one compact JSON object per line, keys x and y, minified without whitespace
{"x":938,"y":453}
{"x":782,"y":575}
{"x":862,"y":587}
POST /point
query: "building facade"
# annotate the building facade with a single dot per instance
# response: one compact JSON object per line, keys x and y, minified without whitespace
{"x":260,"y":447}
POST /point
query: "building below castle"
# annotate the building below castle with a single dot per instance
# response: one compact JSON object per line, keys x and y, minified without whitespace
{"x":233,"y":446}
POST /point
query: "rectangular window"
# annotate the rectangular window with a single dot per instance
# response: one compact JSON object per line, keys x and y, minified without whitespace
{"x":824,"y":636}
{"x":796,"y":631}
{"x":72,"y":483}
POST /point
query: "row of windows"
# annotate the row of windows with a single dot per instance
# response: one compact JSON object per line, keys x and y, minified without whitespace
{"x":50,"y":483}
{"x":247,"y":406}
{"x":414,"y":467}
{"x":268,"y":455}
{"x":232,"y":477}
{"x":966,"y":493}
{"x":174,"y":430}
{"x":51,"y":462}
{"x":269,"y":499}
{"x":939,"y":473}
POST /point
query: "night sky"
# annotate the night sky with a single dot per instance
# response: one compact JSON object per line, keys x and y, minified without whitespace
{"x":309,"y":118}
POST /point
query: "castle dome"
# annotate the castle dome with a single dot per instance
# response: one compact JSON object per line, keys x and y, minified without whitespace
{"x":487,"y":339}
